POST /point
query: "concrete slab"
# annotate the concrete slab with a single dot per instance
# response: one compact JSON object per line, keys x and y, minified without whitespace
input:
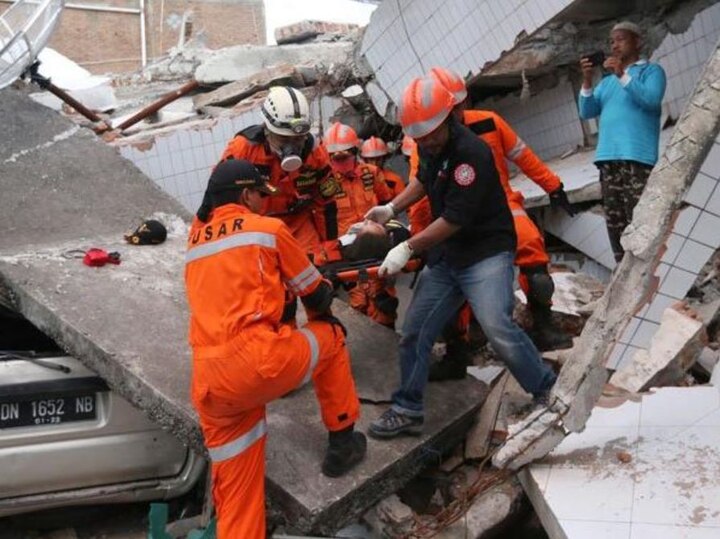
{"x":63,"y":190}
{"x":652,"y":466}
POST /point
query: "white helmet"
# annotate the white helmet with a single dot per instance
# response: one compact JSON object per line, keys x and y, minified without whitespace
{"x":286,"y":112}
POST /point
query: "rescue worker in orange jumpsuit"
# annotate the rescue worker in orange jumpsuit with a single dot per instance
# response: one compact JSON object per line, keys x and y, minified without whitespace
{"x":285,"y":152}
{"x":374,"y":151}
{"x":531,"y":256}
{"x":356,"y":188}
{"x":238,"y":265}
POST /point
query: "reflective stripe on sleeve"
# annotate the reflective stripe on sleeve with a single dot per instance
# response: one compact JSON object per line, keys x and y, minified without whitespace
{"x":305,"y":278}
{"x":516,"y":150}
{"x":314,"y":353}
{"x":241,"y":239}
{"x":519,"y":213}
{"x":239,"y":444}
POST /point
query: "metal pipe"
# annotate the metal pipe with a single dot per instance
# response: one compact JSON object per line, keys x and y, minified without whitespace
{"x":160,"y":103}
{"x":143,"y":40}
{"x":70,"y":100}
{"x":89,"y":7}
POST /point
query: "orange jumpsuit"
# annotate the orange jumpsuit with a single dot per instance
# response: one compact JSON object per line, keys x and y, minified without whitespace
{"x":354,"y":196}
{"x":302,"y":186}
{"x":238,"y":266}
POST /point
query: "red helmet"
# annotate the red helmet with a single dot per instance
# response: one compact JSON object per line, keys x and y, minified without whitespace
{"x":425,"y":104}
{"x":453,"y":82}
{"x":374,"y":147}
{"x":341,"y":137}
{"x":408,"y":145}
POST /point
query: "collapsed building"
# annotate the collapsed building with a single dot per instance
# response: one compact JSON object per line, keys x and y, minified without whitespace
{"x":519,"y":61}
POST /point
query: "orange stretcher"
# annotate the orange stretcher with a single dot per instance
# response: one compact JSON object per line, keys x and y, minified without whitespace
{"x":360,"y":271}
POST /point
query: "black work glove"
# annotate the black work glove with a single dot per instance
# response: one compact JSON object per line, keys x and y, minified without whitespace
{"x":559,"y":199}
{"x":330,"y":319}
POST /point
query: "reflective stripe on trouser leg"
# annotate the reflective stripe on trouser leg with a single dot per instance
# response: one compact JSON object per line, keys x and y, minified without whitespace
{"x":239,"y":444}
{"x":314,"y":354}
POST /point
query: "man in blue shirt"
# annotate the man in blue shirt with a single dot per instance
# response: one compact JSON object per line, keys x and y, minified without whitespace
{"x":628,"y":101}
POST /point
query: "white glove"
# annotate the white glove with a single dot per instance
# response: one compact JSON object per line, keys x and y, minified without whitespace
{"x":381,"y":214}
{"x":396,"y":259}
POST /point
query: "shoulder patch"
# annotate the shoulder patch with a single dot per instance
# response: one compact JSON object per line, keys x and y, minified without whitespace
{"x":464,"y":175}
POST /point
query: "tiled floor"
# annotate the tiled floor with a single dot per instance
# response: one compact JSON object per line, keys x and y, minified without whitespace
{"x":669,"y":489}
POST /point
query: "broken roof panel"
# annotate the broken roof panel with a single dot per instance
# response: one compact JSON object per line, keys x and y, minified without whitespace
{"x":405,"y":39}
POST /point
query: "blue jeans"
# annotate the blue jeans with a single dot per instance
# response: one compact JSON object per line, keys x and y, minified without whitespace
{"x":441,"y":290}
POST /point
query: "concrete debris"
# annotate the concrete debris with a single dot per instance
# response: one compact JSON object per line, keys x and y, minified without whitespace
{"x":304,"y":31}
{"x":395,"y":514}
{"x":573,"y":291}
{"x":488,"y":374}
{"x":708,"y":359}
{"x":236,"y":63}
{"x":673,"y":349}
{"x":477,"y":443}
{"x":488,"y":512}
{"x":230,"y":94}
{"x":455,"y":459}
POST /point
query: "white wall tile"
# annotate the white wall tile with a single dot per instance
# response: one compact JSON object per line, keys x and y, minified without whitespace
{"x":707,"y":230}
{"x":658,"y":304}
{"x":700,"y":190}
{"x":686,"y":220}
{"x":693,"y":256}
{"x":677,"y":283}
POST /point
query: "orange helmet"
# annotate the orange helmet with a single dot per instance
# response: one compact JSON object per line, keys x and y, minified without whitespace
{"x":341,"y":137}
{"x":425,"y":104}
{"x":408,"y":145}
{"x":374,"y":147}
{"x":453,"y":82}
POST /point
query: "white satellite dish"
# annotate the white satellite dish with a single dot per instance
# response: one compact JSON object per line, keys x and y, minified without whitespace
{"x":25,"y":28}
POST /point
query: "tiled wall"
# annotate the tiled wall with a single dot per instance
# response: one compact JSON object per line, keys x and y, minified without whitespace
{"x":405,"y":38}
{"x":180,"y":160}
{"x":548,"y":122}
{"x":683,"y":56}
{"x":694,"y":239}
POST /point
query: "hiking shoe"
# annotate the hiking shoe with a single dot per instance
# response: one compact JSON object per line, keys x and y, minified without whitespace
{"x":392,"y":424}
{"x":342,"y":456}
{"x":447,"y":369}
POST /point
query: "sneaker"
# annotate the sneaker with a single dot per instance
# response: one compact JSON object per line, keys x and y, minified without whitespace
{"x":392,"y":424}
{"x":341,"y":457}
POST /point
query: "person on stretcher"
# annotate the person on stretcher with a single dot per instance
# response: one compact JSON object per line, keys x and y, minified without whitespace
{"x":353,"y":259}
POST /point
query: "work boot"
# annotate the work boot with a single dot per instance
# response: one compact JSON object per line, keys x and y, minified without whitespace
{"x":393,"y":423}
{"x":345,"y":449}
{"x":545,"y":333}
{"x":453,"y":366}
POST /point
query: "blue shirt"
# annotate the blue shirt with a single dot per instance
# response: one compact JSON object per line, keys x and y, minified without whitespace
{"x":629,"y":108}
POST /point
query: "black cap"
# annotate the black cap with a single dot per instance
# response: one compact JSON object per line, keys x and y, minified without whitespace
{"x":238,"y":174}
{"x":150,"y":232}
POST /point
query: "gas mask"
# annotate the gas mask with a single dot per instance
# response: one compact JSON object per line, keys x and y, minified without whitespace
{"x":289,"y":154}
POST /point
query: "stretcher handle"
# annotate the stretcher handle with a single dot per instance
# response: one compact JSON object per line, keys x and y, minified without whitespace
{"x":351,"y":276}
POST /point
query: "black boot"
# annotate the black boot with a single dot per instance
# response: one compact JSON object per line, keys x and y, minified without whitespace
{"x":545,"y":333}
{"x":345,"y":449}
{"x":453,"y":366}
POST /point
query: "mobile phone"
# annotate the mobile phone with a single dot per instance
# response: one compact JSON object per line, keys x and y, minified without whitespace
{"x":596,"y":58}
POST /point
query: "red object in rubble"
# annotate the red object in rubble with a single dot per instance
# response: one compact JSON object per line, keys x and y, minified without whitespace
{"x":99,"y":257}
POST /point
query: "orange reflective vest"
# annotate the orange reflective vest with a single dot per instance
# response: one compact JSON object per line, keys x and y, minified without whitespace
{"x":352,"y":197}
{"x":298,"y":201}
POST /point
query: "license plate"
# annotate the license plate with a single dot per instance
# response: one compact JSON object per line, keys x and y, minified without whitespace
{"x":23,"y":412}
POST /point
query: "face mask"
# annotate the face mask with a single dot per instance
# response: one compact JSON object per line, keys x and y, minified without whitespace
{"x":343,"y":166}
{"x":290,"y":159}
